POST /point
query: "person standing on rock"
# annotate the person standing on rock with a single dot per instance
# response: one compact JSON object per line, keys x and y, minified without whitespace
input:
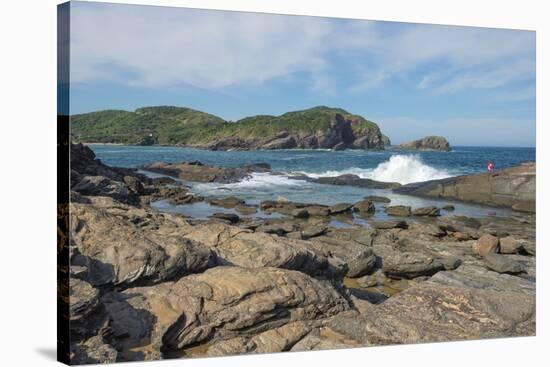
{"x":490,"y":166}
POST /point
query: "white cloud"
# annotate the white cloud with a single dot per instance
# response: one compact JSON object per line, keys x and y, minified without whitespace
{"x":156,"y":46}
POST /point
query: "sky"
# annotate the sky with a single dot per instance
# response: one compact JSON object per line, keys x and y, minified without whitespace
{"x":475,"y":86}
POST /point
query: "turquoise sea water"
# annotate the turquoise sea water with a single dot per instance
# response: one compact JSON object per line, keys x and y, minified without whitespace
{"x":389,"y":165}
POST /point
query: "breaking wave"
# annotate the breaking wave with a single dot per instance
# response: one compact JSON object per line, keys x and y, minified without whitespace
{"x":399,"y":168}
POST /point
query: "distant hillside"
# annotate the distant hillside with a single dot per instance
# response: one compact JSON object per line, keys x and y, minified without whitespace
{"x":318,"y":127}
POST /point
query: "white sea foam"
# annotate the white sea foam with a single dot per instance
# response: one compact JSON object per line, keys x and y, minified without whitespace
{"x":399,"y":168}
{"x":256,"y":182}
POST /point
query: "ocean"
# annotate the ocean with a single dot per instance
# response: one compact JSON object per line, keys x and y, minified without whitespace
{"x":388,"y":165}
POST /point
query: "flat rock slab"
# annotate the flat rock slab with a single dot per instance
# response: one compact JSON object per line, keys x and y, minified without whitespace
{"x":454,"y":306}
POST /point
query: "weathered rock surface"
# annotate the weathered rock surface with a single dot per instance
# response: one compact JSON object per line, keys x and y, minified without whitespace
{"x":365,"y":207}
{"x":198,"y":172}
{"x":398,"y":210}
{"x":133,"y":245}
{"x":430,"y":211}
{"x":485,"y":245}
{"x":353,"y":180}
{"x":513,"y":187}
{"x":428,"y":143}
{"x":227,"y":302}
{"x":244,"y":248}
{"x":455,"y":305}
{"x":503,"y":264}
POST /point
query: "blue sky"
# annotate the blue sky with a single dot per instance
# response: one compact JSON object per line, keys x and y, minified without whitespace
{"x":476,"y":86}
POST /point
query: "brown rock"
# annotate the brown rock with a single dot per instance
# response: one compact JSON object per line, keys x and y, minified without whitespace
{"x":485,"y":245}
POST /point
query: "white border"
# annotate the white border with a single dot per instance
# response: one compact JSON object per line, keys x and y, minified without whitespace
{"x":27,"y":143}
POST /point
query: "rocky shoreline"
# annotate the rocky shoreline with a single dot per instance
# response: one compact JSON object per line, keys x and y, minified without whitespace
{"x":148,"y":285}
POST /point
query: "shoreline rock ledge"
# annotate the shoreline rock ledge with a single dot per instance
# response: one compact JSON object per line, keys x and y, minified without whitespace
{"x":438,"y":143}
{"x":513,"y":187}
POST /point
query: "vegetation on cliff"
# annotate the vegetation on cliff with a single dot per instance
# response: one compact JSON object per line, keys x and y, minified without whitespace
{"x":184,"y":126}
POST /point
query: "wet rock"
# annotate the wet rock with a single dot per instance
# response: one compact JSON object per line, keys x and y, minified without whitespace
{"x":228,"y":202}
{"x":231,"y":218}
{"x":365,"y":207}
{"x":448,"y":208}
{"x":340,"y":208}
{"x":389,"y":224}
{"x":430,"y":211}
{"x":354,"y":180}
{"x":373,"y":280}
{"x":513,"y":187}
{"x":246,"y":209}
{"x":485,"y":245}
{"x":377,"y":199}
{"x":398,"y":210}
{"x":502,"y":264}
{"x":300,"y":213}
{"x":192,"y":171}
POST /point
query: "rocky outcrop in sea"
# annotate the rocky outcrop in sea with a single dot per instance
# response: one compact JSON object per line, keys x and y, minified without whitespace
{"x":437,"y":143}
{"x":513,"y":187}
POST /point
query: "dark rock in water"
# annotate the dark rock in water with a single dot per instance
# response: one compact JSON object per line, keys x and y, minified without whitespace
{"x":485,"y":245}
{"x":372,"y":280}
{"x":428,"y":143}
{"x":340,"y":208}
{"x":339,"y":146}
{"x":300,"y":213}
{"x":246,"y":209}
{"x":448,"y":208}
{"x":513,"y":187}
{"x":377,"y":199}
{"x":365,"y":207}
{"x":191,"y":171}
{"x":398,"y":210}
{"x":228,"y":202}
{"x":388,"y":224}
{"x":502,"y":264}
{"x":354,"y":180}
{"x":258,"y":167}
{"x":430,"y":211}
{"x":232,"y":218}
